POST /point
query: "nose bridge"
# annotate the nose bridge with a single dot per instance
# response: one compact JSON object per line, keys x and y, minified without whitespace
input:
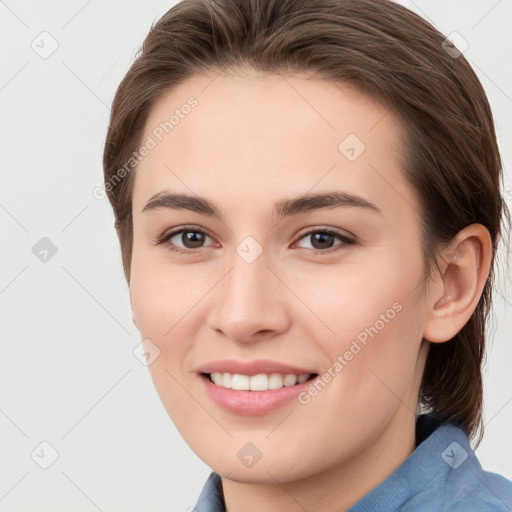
{"x":247,"y":286}
{"x":246,"y":303}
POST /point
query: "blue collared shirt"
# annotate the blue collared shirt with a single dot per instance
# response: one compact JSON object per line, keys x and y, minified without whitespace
{"x":441,"y":475}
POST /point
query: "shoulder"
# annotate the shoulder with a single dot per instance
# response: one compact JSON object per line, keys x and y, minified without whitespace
{"x":446,"y":476}
{"x":465,"y":489}
{"x":488,"y":492}
{"x":468,"y":487}
{"x":477,"y":490}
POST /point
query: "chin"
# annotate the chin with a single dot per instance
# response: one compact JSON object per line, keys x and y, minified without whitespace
{"x":276,"y":467}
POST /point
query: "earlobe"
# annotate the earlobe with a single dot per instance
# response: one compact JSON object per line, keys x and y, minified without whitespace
{"x":465,"y":268}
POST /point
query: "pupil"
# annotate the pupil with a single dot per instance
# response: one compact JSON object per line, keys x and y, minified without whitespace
{"x":322,"y":238}
{"x":192,"y":239}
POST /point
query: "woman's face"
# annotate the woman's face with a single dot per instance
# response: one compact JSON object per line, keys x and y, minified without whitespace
{"x":329,"y":286}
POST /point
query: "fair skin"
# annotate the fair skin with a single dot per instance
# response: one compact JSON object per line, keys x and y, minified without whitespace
{"x":251,"y":141}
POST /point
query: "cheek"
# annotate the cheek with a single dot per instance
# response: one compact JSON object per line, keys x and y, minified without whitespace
{"x":368,"y":322}
{"x":342,"y":301}
{"x":163,"y":296}
{"x":160,"y":305}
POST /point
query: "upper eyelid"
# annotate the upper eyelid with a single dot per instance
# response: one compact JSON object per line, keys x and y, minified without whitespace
{"x":173,"y":232}
{"x":336,"y":231}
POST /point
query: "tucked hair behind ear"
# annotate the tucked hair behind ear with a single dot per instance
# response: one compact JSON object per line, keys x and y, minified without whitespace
{"x":451,"y":157}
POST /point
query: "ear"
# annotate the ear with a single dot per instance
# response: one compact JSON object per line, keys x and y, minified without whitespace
{"x":452,"y":299}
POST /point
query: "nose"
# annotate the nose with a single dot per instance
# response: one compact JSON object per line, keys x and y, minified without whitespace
{"x":250,"y":303}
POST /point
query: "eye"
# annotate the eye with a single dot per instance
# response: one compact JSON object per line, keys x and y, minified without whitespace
{"x":322,"y":240}
{"x":192,"y":238}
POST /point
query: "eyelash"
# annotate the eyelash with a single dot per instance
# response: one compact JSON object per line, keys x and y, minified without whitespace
{"x":165,"y":238}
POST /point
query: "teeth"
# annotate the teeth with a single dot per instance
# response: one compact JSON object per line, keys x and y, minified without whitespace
{"x":260,"y":382}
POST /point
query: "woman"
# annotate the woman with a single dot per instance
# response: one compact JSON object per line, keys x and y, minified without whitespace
{"x":307,"y":197}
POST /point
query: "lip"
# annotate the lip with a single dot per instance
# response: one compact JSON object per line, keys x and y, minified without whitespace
{"x":253,"y":367}
{"x":252,"y":403}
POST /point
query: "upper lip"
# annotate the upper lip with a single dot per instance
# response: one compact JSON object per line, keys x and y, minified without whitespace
{"x":253,"y":367}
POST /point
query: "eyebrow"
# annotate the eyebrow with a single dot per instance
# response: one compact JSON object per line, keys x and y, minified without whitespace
{"x":282,"y":208}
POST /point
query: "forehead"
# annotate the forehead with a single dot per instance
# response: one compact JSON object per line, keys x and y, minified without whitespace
{"x":264,"y":136}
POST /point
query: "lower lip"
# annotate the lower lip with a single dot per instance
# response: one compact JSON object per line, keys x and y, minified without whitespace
{"x":252,"y":402}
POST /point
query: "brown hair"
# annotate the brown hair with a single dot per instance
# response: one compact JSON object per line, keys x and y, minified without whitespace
{"x":451,"y":159}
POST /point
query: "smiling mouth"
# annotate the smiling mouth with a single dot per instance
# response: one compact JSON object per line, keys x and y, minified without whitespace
{"x":259,"y":382}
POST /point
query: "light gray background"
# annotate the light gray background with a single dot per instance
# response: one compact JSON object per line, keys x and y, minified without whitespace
{"x":68,"y":374}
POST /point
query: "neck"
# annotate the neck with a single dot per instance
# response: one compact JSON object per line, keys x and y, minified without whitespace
{"x":339,"y":487}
